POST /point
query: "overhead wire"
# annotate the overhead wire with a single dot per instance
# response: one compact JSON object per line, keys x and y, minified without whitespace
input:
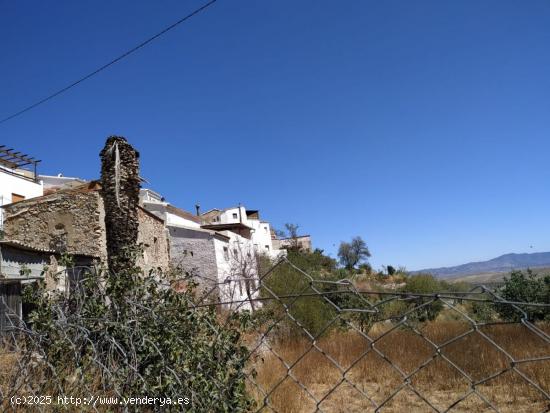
{"x":112,"y":62}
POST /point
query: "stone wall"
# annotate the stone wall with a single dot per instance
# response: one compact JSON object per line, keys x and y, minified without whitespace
{"x":66,"y":221}
{"x":192,"y":253}
{"x":73,"y":221}
{"x":153,"y":236}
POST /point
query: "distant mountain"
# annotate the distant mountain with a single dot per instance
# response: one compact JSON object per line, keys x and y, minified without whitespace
{"x":504,"y":263}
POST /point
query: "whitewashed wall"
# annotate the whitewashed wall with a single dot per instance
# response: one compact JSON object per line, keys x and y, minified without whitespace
{"x":212,"y":258}
{"x":261,"y":236}
{"x":10,"y":184}
{"x":172,"y":219}
{"x":231,"y":216}
{"x":159,"y":209}
{"x":239,"y":250}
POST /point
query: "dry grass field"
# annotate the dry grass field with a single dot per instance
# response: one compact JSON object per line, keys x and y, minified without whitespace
{"x":372,"y":375}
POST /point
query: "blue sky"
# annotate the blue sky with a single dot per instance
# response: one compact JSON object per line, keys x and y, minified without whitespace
{"x":421,"y":126}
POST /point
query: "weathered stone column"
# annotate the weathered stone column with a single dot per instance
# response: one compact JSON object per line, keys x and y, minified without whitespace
{"x":120,"y":185}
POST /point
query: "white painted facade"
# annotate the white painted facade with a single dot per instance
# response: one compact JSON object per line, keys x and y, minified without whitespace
{"x":261,"y":238}
{"x":217,"y":248}
{"x":173,"y":219}
{"x":155,"y":203}
{"x":59,"y":181}
{"x":16,"y":182}
{"x":222,"y":263}
{"x":228,"y":216}
{"x":238,"y":268}
{"x":260,"y":233}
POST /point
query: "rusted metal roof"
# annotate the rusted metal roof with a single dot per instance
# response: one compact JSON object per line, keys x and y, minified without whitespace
{"x":23,"y":246}
{"x":182,"y":214}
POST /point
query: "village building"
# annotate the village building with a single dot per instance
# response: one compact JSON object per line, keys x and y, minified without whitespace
{"x":156,"y":204}
{"x":71,"y":220}
{"x":55,"y":182}
{"x":45,"y":216}
{"x":21,"y":265}
{"x":222,"y":261}
{"x":18,"y":178}
{"x":246,"y":223}
{"x":302,"y":242}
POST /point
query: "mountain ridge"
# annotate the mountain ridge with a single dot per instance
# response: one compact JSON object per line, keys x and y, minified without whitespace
{"x":502,"y":263}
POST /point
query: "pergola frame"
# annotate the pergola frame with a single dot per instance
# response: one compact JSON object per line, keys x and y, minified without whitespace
{"x":17,"y":160}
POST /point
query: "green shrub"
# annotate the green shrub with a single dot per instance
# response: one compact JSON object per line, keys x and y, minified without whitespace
{"x":525,"y":286}
{"x":480,"y":311}
{"x":424,"y":284}
{"x":127,"y":335}
{"x":310,"y":311}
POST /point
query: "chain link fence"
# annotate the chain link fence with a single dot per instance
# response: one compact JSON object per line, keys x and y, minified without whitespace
{"x":297,"y":343}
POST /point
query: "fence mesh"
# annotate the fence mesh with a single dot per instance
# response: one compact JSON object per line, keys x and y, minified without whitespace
{"x":311,"y":344}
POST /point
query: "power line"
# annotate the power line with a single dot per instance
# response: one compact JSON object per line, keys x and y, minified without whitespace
{"x":112,"y":62}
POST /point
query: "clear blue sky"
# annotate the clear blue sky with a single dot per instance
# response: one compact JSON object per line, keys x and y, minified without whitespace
{"x":421,"y":126}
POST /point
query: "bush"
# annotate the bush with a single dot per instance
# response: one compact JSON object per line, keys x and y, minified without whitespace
{"x":127,"y":335}
{"x":424,"y":284}
{"x":525,"y":287}
{"x":310,"y":312}
{"x":482,"y":312}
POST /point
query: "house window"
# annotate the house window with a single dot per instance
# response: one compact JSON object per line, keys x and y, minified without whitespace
{"x":267,"y":247}
{"x":235,"y":252}
{"x":226,"y":253}
{"x":17,"y":197}
{"x":235,"y":215}
{"x":265,"y":230}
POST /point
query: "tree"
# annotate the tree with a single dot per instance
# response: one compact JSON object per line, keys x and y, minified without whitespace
{"x":243,"y":271}
{"x":391,"y":270}
{"x":525,"y":287}
{"x":353,"y":253}
{"x":291,"y":233}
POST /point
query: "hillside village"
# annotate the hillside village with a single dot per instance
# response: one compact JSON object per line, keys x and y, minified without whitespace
{"x":44,"y":217}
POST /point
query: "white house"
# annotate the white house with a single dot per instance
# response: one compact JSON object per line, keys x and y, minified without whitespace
{"x":302,"y":242}
{"x":222,"y":263}
{"x":155,"y":203}
{"x":53,"y":182}
{"x":244,"y":222}
{"x":261,"y":234}
{"x":221,"y":260}
{"x":18,"y":178}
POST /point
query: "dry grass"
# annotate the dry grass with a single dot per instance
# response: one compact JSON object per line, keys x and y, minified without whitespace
{"x":438,"y":381}
{"x":8,"y":364}
{"x":373,"y":376}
